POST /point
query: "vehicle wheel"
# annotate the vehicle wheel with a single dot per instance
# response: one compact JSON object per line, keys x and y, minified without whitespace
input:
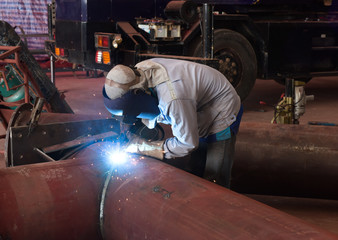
{"x":237,"y":59}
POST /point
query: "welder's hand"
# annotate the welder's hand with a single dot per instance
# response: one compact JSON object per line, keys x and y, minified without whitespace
{"x":141,"y":146}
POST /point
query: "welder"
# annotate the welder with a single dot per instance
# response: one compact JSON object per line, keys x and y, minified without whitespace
{"x":199,"y":103}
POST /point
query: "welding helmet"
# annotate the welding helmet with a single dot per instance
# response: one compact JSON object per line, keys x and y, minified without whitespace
{"x":136,"y":103}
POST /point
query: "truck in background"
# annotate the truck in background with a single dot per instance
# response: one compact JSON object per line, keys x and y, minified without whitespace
{"x":244,"y":39}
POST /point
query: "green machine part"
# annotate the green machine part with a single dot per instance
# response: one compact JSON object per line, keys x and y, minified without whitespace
{"x":13,"y":79}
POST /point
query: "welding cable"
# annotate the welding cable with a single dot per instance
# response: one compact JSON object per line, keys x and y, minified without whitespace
{"x":103,"y":198}
{"x":51,"y":52}
{"x":155,"y":134}
{"x":23,"y":35}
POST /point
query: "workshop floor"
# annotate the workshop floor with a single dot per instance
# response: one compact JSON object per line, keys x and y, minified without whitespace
{"x":84,"y":96}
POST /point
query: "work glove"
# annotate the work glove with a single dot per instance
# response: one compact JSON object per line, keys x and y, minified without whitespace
{"x":141,"y":146}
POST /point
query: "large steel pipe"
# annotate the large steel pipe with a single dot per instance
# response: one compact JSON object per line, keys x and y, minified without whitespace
{"x":50,"y":201}
{"x":142,"y":199}
{"x":291,"y":160}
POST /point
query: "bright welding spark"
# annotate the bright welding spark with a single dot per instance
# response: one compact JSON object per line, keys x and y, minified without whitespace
{"x":115,"y":154}
{"x":117,"y":157}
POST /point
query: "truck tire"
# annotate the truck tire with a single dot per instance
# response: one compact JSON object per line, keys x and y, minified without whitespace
{"x":237,"y":59}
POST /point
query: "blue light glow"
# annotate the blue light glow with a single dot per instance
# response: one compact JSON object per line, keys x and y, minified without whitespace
{"x":117,"y":157}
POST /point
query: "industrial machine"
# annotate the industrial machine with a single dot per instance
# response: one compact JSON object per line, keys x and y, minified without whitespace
{"x":291,"y":105}
{"x":21,"y":77}
{"x":248,"y":39}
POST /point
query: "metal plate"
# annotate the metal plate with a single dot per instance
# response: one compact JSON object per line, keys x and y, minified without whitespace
{"x":20,"y":117}
{"x":23,"y":142}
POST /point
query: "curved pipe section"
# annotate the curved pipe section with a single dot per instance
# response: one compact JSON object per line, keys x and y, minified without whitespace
{"x":144,"y":199}
{"x":289,"y":160}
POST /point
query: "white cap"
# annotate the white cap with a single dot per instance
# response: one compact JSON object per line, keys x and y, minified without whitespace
{"x":120,"y":74}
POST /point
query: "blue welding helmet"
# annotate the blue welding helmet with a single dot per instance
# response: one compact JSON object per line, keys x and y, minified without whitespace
{"x":136,"y":103}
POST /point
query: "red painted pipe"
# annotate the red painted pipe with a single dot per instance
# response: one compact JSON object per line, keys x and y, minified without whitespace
{"x":144,"y":199}
{"x":290,"y":160}
{"x":50,"y":201}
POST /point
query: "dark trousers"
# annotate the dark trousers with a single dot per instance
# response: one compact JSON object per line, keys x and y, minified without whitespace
{"x":214,"y":161}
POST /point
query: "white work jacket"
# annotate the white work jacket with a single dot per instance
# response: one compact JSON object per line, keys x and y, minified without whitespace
{"x":196,"y":101}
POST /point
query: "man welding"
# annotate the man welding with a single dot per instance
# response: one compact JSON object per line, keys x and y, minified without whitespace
{"x":198,"y":102}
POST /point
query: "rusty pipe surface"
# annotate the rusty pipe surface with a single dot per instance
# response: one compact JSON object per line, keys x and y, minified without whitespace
{"x":50,"y":201}
{"x":144,"y":199}
{"x":289,"y":160}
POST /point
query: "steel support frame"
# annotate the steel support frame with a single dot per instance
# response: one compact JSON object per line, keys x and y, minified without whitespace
{"x":6,"y":58}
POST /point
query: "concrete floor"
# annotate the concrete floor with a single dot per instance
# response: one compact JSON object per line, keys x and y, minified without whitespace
{"x":324,"y":108}
{"x":83,"y":94}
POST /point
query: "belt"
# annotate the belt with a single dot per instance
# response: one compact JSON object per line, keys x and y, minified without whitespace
{"x":226,"y":133}
{"x":235,"y":125}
